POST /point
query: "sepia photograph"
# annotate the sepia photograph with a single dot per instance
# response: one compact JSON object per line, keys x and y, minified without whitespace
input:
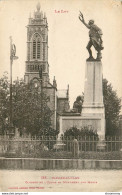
{"x":61,"y":96}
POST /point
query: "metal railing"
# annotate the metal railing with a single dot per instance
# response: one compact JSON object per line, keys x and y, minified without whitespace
{"x":50,"y":146}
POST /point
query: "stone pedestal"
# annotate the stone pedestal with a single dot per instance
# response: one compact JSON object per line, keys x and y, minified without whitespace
{"x":93,"y":113}
{"x":93,"y":91}
{"x":101,"y":144}
{"x":59,"y":144}
{"x":93,"y":94}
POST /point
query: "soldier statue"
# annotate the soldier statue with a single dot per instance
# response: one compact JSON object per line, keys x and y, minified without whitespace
{"x":95,"y":35}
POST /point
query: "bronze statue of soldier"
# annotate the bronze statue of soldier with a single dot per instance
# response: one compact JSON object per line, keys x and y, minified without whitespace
{"x":95,"y":35}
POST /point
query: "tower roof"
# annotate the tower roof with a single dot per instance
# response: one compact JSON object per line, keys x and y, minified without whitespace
{"x":39,"y":17}
{"x":38,"y":6}
{"x":38,"y":14}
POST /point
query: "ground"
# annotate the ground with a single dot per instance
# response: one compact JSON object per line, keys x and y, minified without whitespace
{"x":43,"y":180}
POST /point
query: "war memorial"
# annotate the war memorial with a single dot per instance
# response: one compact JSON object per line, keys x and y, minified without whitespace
{"x":93,"y":114}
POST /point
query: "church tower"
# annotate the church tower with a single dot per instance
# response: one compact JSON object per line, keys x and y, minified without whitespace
{"x":37,"y":48}
{"x":37,"y":67}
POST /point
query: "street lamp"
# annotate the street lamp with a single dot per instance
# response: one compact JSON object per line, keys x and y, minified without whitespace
{"x":12,"y":57}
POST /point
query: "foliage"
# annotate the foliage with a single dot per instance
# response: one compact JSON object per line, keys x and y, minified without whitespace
{"x":49,"y":132}
{"x":4,"y":99}
{"x":112,"y":108}
{"x":75,"y":132}
{"x":30,"y":110}
{"x":83,"y":135}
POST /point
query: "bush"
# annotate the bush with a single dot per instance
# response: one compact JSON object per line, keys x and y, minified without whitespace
{"x":84,"y":131}
{"x":87,"y":138}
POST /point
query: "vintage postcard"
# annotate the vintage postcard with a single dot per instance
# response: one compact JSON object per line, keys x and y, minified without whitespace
{"x":60,"y":96}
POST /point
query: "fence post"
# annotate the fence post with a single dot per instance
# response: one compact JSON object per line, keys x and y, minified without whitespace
{"x":111,"y":143}
{"x":21,"y":148}
{"x":75,"y":148}
{"x":85,"y":143}
{"x":115,"y":143}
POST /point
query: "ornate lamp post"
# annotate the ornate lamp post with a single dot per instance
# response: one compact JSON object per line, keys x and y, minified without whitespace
{"x":12,"y":57}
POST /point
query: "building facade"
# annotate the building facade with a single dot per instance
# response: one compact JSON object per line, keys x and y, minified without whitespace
{"x":37,"y":66}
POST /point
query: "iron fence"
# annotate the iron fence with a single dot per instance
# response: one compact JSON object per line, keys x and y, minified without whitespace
{"x":51,"y":147}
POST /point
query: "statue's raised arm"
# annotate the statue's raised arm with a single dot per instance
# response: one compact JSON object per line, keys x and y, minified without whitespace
{"x":95,"y":35}
{"x":81,"y":18}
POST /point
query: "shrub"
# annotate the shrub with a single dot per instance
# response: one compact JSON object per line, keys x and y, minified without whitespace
{"x":84,"y":131}
{"x":87,"y":138}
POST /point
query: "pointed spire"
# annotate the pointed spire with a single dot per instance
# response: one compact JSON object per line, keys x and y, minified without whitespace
{"x":17,"y":82}
{"x":54,"y":83}
{"x":68,"y":91}
{"x":41,"y":15}
{"x":30,"y":15}
{"x":17,"y":79}
{"x":44,"y":15}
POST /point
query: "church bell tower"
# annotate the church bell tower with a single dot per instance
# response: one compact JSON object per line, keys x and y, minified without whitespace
{"x":37,"y":48}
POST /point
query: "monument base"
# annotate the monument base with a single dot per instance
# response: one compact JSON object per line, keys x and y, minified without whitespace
{"x":94,"y":122}
{"x":59,"y":145}
{"x":101,"y":145}
{"x":95,"y":112}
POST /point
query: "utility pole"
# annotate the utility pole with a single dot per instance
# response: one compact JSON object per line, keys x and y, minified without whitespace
{"x":12,"y":57}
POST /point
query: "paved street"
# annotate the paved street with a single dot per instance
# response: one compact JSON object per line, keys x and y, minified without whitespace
{"x":57,"y":180}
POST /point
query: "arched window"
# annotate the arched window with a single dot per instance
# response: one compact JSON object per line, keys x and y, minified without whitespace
{"x":36,"y":47}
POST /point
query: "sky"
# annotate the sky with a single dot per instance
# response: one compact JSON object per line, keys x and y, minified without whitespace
{"x":67,"y":39}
